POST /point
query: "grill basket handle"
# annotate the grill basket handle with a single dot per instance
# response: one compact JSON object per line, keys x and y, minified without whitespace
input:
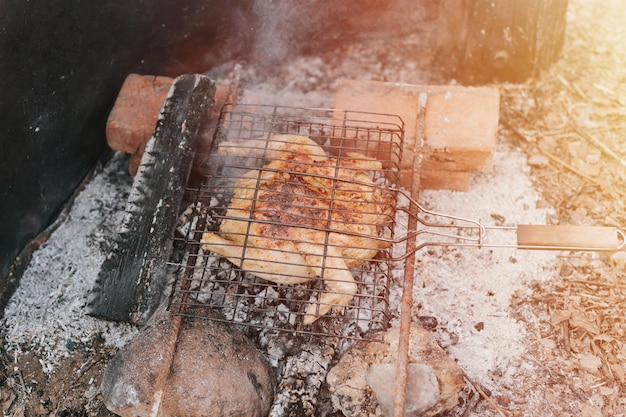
{"x":569,"y":237}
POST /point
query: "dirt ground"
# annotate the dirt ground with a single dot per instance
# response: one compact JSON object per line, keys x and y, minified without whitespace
{"x":569,"y":122}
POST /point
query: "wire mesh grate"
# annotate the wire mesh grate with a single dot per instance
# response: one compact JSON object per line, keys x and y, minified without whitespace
{"x":289,"y":227}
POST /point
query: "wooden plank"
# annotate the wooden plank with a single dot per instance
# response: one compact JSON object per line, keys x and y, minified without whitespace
{"x":132,"y":280}
{"x":546,"y":237}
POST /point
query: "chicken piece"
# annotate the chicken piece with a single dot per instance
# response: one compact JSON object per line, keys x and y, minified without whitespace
{"x":303,"y":215}
{"x":277,"y":147}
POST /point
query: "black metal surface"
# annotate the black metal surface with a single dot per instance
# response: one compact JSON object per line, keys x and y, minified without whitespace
{"x":62,"y":65}
{"x":132,"y":279}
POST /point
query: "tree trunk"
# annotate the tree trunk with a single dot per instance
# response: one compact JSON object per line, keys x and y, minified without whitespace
{"x":510,"y":40}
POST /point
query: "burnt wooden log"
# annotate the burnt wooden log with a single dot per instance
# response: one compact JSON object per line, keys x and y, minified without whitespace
{"x":132,"y":280}
{"x":503,"y":40}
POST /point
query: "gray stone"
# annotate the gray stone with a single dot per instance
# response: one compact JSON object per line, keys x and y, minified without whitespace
{"x":189,"y":367}
{"x":353,"y":395}
{"x":422,"y":388}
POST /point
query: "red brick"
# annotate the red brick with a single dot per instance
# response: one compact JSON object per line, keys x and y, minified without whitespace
{"x":135,"y":160}
{"x":135,"y":112}
{"x":444,"y":180}
{"x":205,"y":136}
{"x":387,"y":98}
{"x":456,"y":134}
{"x":460,"y":129}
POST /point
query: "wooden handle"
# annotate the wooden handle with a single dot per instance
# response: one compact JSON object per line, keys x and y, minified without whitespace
{"x":556,"y":237}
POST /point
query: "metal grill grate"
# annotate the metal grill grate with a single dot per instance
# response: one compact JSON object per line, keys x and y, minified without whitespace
{"x":276,"y":221}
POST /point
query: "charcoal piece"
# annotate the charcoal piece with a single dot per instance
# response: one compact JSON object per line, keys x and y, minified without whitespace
{"x":132,"y":279}
{"x":303,"y":375}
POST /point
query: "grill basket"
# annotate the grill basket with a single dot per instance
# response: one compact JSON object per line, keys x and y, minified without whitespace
{"x":334,"y":183}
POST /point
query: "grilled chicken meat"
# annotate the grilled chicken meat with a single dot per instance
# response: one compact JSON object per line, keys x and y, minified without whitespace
{"x":303,"y":215}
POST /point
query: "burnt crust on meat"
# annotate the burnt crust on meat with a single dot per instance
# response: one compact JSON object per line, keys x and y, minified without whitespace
{"x":304,"y":215}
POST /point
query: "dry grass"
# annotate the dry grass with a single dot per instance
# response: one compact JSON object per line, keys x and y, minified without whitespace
{"x":571,"y":121}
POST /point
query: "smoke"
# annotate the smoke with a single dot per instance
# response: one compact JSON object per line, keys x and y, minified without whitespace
{"x":282,"y":26}
{"x":288,"y":28}
{"x":273,"y":38}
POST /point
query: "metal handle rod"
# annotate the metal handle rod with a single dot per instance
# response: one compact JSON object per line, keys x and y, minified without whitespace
{"x":546,"y":237}
{"x":465,"y":232}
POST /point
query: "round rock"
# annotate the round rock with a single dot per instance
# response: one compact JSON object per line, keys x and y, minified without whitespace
{"x":192,"y":367}
{"x":363,"y":380}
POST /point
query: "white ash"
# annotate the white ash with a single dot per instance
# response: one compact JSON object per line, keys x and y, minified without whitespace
{"x":469,"y":290}
{"x":296,"y":91}
{"x":48,"y":312}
